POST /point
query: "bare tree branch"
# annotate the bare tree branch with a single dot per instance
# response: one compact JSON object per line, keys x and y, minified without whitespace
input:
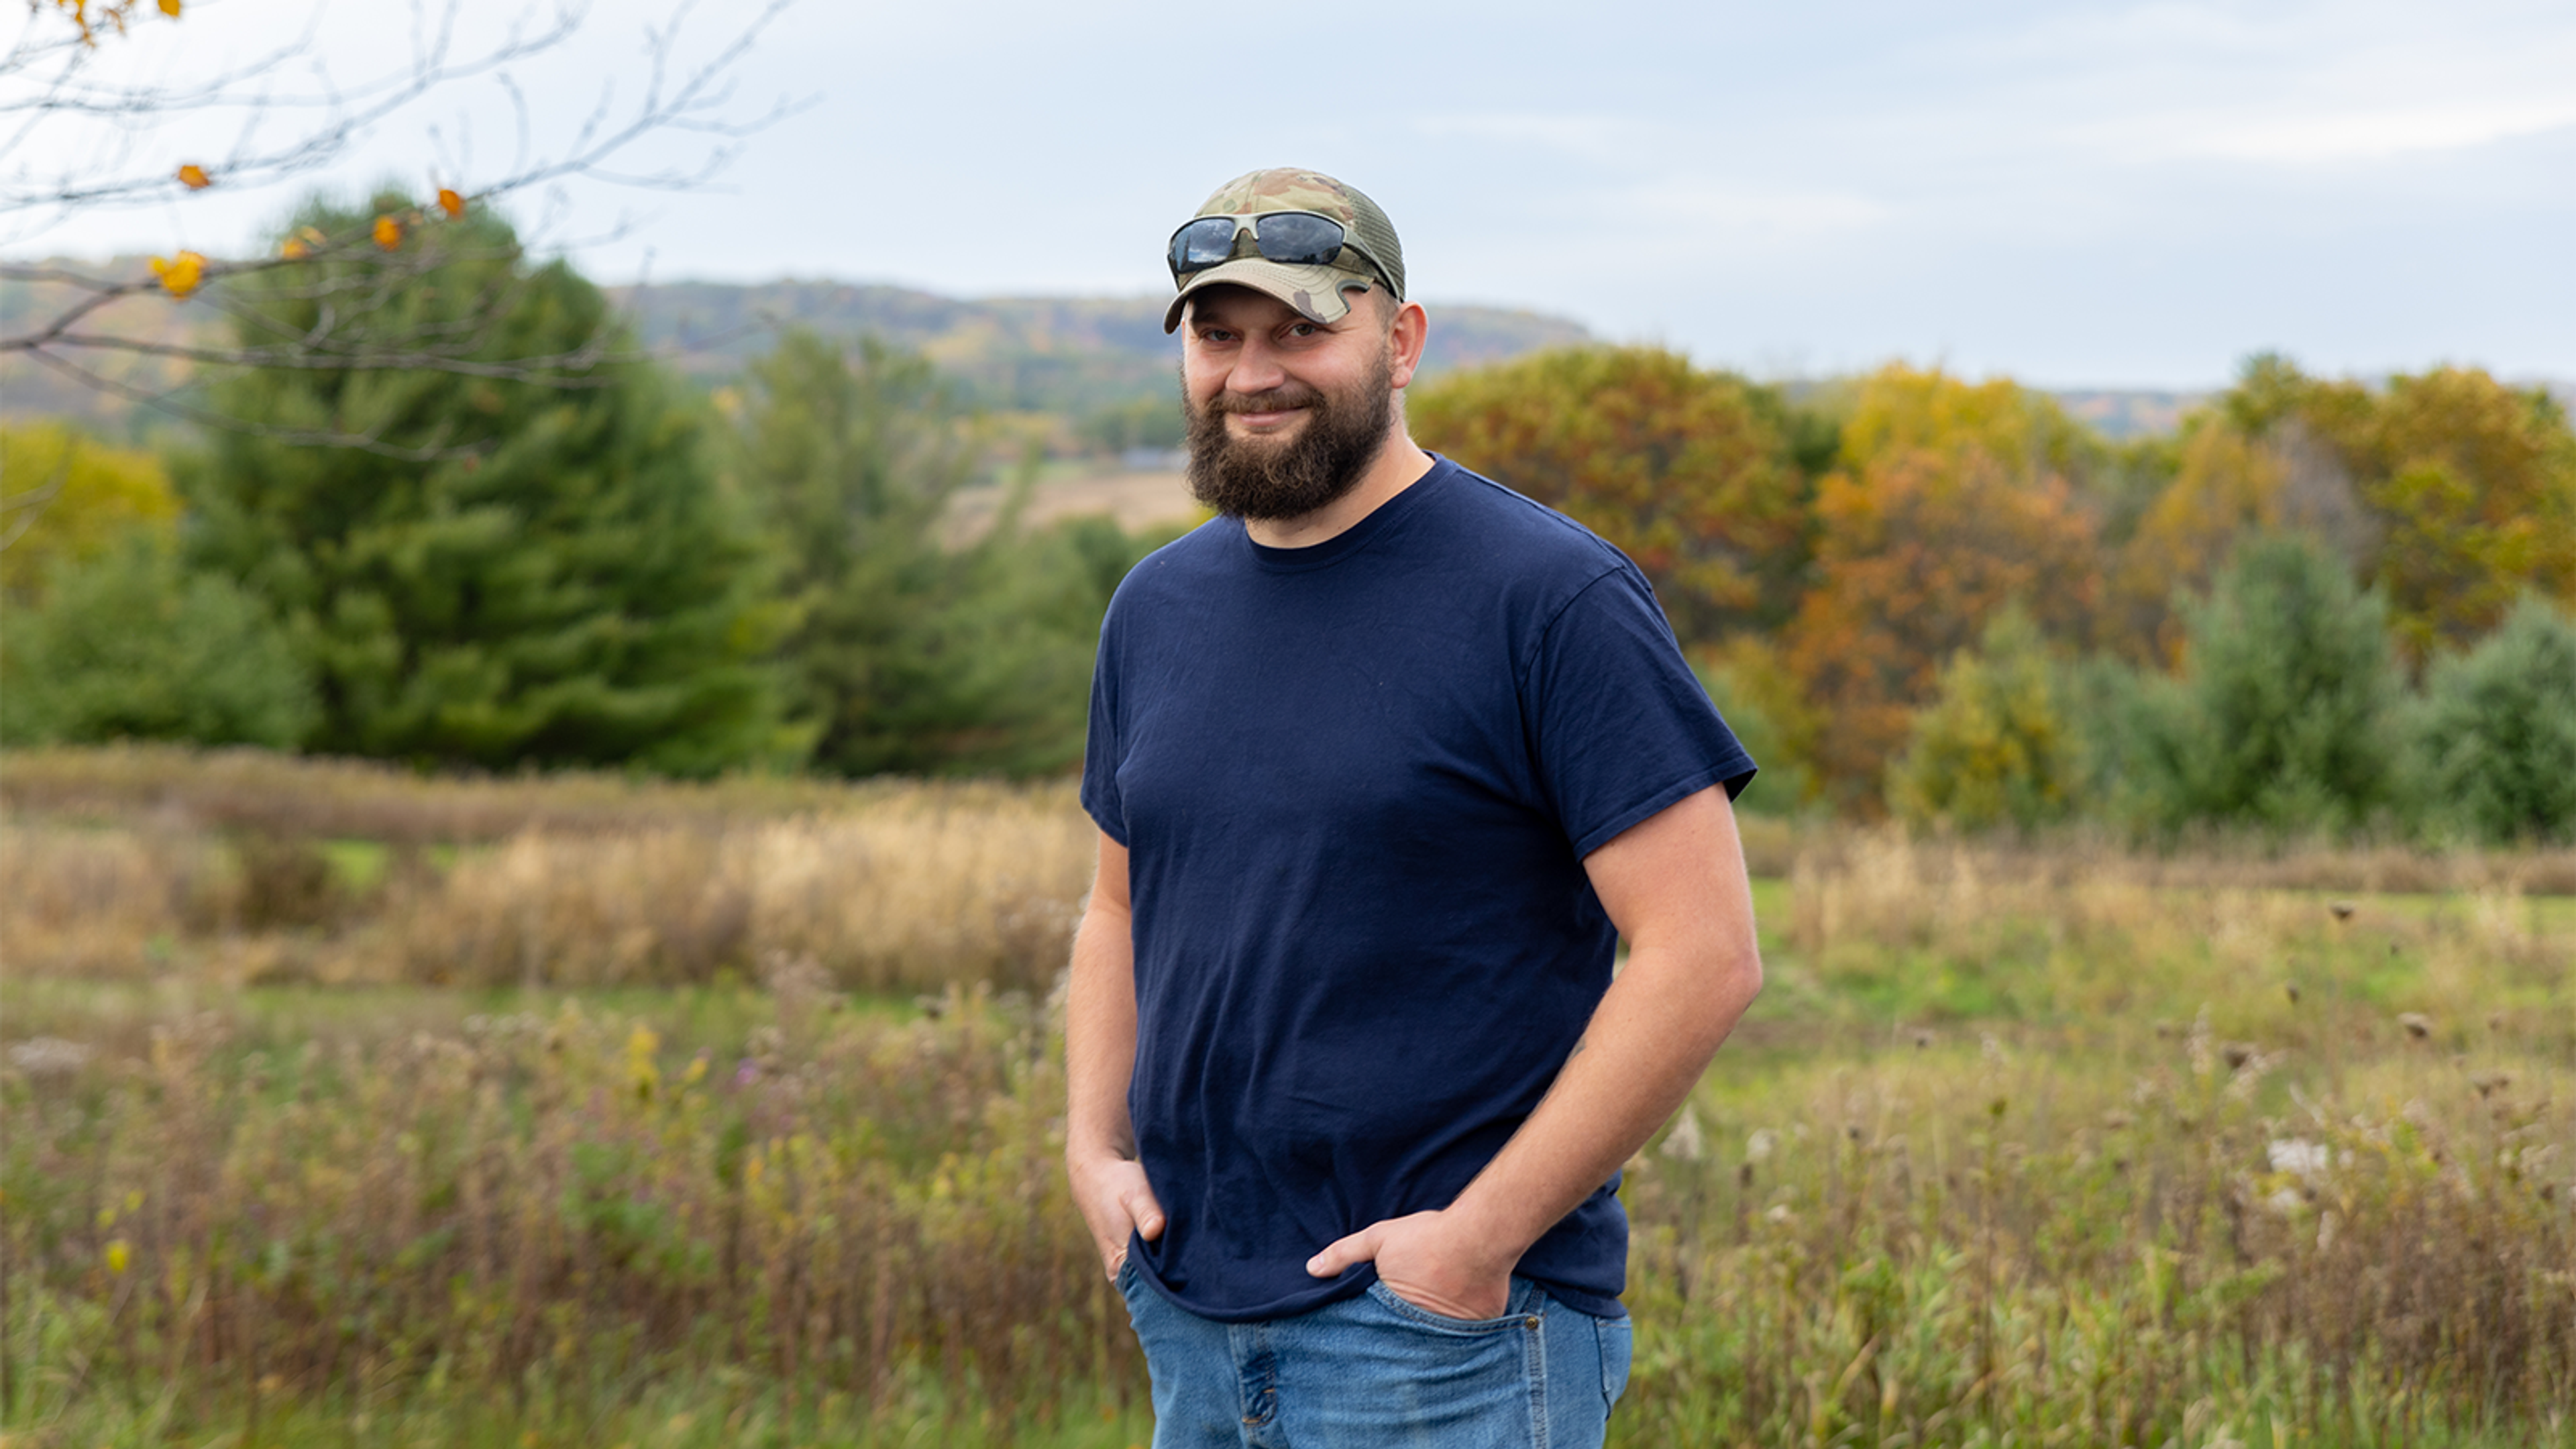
{"x":48,"y":78}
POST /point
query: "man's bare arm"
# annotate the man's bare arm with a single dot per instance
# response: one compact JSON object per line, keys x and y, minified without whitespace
{"x":1099,"y":1056}
{"x":1675,"y":886}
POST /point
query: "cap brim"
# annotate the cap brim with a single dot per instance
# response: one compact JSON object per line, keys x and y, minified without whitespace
{"x":1319,"y":293}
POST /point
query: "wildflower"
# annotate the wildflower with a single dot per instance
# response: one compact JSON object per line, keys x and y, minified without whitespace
{"x":2418,"y":1025}
{"x":2298,"y":1155}
{"x":1760,"y":1146}
{"x":49,"y":1056}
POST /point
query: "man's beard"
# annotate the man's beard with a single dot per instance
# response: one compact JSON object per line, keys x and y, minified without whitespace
{"x":1269,"y":479}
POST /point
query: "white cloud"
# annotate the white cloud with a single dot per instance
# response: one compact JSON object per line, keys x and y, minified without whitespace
{"x":2372,"y":135}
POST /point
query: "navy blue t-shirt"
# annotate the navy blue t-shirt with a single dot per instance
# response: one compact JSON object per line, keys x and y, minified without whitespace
{"x":1356,"y":783}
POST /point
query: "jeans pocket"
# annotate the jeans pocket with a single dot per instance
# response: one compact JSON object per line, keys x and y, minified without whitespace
{"x":1618,"y":1341}
{"x":1421,"y":1317}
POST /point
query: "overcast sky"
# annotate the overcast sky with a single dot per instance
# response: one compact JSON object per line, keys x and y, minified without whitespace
{"x":2074,"y":194}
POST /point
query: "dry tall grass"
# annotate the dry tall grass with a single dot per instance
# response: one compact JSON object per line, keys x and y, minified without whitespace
{"x":909,"y":887}
{"x":2023,"y":1145}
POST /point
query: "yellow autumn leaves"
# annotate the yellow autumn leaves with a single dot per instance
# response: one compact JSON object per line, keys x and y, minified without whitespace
{"x":113,"y":14}
{"x":180,"y":275}
{"x":184,"y":273}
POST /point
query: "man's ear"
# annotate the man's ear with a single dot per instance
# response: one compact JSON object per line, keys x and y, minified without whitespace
{"x":1405,"y":336}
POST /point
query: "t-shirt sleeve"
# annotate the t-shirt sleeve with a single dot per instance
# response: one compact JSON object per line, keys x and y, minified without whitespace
{"x":1100,"y":797}
{"x":1620,"y":727}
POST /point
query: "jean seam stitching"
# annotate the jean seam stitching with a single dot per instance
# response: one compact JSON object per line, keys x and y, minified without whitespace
{"x":1535,"y":1358}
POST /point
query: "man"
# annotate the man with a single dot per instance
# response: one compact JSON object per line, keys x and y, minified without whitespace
{"x":1385,"y":758}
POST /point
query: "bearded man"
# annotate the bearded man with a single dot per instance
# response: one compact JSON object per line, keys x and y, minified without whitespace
{"x":1385,"y":759}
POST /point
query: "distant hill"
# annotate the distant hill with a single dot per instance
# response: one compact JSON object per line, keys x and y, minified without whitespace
{"x":1041,"y":354}
{"x":2122,"y":415}
{"x":1069,"y":356}
{"x":1066,"y":355}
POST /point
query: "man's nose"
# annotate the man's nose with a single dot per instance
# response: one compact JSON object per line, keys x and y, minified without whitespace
{"x":1256,"y":367}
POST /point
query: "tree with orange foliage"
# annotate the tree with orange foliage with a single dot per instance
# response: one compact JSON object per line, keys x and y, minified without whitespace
{"x":2229,"y":485}
{"x":2450,"y":491}
{"x":2475,"y":483}
{"x":1688,"y":472}
{"x":1953,"y":500}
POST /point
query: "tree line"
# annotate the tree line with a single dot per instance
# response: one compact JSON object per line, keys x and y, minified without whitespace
{"x":599,"y":568}
{"x":2319,"y":605}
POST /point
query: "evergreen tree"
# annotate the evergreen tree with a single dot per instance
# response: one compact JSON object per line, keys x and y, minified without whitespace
{"x":526,"y":570}
{"x":131,"y":645}
{"x":2497,"y":735}
{"x":2284,"y":717}
{"x":915,"y":650}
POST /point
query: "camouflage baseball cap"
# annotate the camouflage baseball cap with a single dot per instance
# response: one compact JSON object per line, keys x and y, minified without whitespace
{"x":1370,"y":257}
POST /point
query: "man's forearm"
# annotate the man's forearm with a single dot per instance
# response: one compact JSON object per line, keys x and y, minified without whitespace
{"x":1676,"y":886}
{"x":1646,"y":1046}
{"x":1099,"y":1057}
{"x":1100,"y":1035}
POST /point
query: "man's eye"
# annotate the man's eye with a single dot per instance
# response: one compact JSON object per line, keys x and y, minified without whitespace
{"x":1303,"y":329}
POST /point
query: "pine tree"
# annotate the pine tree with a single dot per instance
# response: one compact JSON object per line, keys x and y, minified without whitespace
{"x":528,"y":570}
{"x":2497,"y":733}
{"x":2285,"y":717}
{"x":913,"y":650}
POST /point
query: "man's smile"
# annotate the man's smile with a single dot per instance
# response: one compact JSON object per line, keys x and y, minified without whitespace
{"x":1267,"y":422}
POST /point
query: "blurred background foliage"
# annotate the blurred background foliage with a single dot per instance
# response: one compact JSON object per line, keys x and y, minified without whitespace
{"x":2315,"y":606}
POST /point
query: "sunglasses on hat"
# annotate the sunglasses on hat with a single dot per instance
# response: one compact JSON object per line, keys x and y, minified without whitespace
{"x":1290,"y":238}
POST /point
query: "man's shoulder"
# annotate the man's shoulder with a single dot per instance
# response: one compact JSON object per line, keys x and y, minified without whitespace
{"x":1523,"y":534}
{"x":1174,"y":567}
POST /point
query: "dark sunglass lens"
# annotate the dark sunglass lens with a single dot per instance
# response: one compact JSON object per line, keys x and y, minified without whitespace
{"x":1298,"y":239}
{"x":1203,"y":243}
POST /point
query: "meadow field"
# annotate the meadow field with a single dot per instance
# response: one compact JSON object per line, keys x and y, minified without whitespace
{"x":344,"y":1106}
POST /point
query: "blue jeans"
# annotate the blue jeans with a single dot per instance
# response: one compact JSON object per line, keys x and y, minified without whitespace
{"x":1376,"y":1371}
